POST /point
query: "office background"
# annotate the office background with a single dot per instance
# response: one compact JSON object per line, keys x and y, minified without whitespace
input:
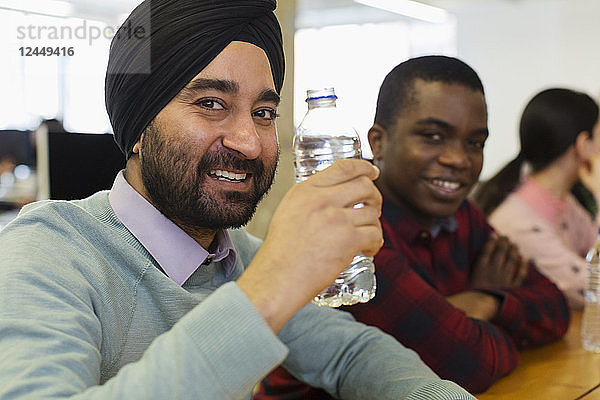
{"x":518,"y":47}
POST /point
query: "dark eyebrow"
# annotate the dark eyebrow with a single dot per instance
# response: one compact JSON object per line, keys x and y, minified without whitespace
{"x":269,"y":95}
{"x":225,"y":86}
{"x":443,"y":124}
{"x":483,"y":132}
{"x":201,"y":84}
{"x":434,"y":121}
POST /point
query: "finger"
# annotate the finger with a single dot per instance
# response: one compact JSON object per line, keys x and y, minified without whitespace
{"x":344,"y":170}
{"x":356,"y":231}
{"x":499,"y":260}
{"x":510,"y":269}
{"x":361,"y":192}
{"x":480,"y":274}
{"x":369,"y":240}
{"x":349,"y":193}
{"x":363,"y":216}
{"x":522,"y":273}
{"x":484,"y":258}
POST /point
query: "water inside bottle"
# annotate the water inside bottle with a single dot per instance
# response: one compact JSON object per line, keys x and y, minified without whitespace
{"x":315,"y":153}
{"x":351,"y":285}
{"x":590,"y":329}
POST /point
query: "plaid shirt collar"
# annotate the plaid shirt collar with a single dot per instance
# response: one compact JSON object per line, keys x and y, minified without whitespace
{"x":409,"y":229}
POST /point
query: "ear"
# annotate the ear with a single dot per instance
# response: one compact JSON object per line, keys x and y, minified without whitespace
{"x":377,"y":134}
{"x":137,"y":146}
{"x":583,"y":145}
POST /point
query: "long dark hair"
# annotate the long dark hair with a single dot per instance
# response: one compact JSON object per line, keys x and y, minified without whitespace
{"x":550,"y":124}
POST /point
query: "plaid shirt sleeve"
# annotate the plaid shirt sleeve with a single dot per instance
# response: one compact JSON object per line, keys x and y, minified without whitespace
{"x":534,"y":314}
{"x":414,"y":280}
{"x":415,"y":274}
{"x":470,"y":352}
{"x":281,"y":385}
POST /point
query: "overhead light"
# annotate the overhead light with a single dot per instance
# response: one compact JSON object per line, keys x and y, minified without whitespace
{"x":47,"y":7}
{"x":409,"y":8}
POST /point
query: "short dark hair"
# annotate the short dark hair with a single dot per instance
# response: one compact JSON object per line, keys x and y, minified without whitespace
{"x":397,"y":90}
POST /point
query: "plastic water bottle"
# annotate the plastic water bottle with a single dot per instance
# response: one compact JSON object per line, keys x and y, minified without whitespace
{"x":590,"y":329}
{"x":322,"y":138}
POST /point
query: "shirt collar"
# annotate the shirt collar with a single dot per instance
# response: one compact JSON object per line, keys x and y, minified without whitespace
{"x":408,"y":227}
{"x":448,"y":224}
{"x":178,"y":254}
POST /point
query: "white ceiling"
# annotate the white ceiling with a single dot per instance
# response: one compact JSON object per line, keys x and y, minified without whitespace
{"x":315,"y":13}
{"x":110,"y":10}
{"x":310,"y":13}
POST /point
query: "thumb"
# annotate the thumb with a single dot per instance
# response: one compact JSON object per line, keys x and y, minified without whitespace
{"x":343,"y":171}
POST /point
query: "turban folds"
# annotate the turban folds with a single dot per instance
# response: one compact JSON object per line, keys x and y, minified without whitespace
{"x":164,"y":44}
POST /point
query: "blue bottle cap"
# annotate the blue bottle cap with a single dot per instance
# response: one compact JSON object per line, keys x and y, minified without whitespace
{"x":315,"y":94}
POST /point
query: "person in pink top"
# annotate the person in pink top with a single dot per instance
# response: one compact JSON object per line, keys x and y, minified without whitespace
{"x":530,"y":199}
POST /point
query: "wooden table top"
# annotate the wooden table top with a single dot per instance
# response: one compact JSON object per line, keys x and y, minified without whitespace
{"x":560,"y":370}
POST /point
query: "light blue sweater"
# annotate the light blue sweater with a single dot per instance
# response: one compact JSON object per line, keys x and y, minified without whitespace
{"x":85,"y":313}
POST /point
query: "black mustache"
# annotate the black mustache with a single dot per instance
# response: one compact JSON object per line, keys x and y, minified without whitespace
{"x":225,"y":159}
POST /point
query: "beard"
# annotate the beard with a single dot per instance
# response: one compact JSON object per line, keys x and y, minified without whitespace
{"x":175,"y":186}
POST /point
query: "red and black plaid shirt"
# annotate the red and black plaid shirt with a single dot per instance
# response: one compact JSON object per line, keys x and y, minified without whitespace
{"x":416,"y":271}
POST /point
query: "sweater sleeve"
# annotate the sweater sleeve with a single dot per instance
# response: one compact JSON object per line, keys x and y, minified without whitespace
{"x":53,"y":340}
{"x":49,"y":348}
{"x":330,"y":350}
{"x":51,"y":336}
{"x":50,"y":339}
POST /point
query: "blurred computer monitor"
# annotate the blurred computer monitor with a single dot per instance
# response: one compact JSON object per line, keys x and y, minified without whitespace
{"x":17,"y":165}
{"x":18,"y":146}
{"x":76,"y":165}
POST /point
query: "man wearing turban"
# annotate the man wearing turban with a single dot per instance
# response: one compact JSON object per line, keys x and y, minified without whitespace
{"x":151,"y":290}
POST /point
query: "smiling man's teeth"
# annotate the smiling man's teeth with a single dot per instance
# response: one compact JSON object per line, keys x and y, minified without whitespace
{"x":446,"y":184}
{"x":226,"y":175}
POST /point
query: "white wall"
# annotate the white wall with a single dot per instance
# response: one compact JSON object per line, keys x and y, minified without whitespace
{"x":521,"y":47}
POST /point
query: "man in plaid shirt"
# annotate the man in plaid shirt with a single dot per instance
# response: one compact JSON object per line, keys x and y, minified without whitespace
{"x":448,"y":286}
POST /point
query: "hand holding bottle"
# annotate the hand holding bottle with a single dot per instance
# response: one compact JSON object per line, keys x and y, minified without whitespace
{"x":314,"y":234}
{"x":323,"y":137}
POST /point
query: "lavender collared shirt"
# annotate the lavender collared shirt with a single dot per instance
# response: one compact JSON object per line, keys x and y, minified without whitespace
{"x":178,"y":254}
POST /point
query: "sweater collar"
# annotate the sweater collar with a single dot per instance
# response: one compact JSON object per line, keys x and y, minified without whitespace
{"x":177,"y":253}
